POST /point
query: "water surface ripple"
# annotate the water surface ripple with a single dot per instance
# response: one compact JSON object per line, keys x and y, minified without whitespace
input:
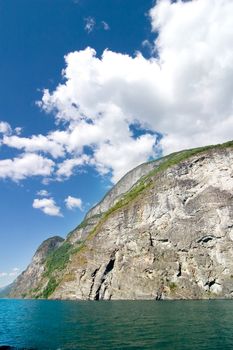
{"x":66,"y":325}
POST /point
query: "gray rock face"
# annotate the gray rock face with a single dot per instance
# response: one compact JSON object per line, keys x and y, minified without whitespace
{"x":122,"y":187}
{"x":112,"y":197}
{"x":175,"y":240}
{"x":172,"y":240}
{"x":29,"y":279}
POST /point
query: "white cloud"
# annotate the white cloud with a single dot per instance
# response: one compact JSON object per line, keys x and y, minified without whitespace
{"x":13,"y":273}
{"x":24,"y":166}
{"x":15,"y":269}
{"x":92,"y":85}
{"x":35,"y":143}
{"x":73,"y":202}
{"x":195,"y":50}
{"x":66,"y":168}
{"x":47,"y":205}
{"x":5,"y":128}
{"x":3,"y":274}
{"x":184,"y":91}
{"x":105,"y":25}
{"x":18,"y":130}
{"x":43,"y":193}
{"x":123,"y":156}
{"x":89,"y":24}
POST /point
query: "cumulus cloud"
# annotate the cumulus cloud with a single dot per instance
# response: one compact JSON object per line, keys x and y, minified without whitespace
{"x":183,"y":92}
{"x":24,"y":166}
{"x":89,"y":24}
{"x":66,"y":168}
{"x":18,"y":130}
{"x":43,"y":193}
{"x":48,"y":206}
{"x":5,"y":128}
{"x":194,"y":48}
{"x":73,"y":202}
{"x":35,"y":143}
{"x":123,"y":156}
{"x":90,"y":102}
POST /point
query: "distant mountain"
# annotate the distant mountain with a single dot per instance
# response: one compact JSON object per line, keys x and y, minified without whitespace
{"x":29,"y":279}
{"x":5,"y":291}
{"x":164,"y":231}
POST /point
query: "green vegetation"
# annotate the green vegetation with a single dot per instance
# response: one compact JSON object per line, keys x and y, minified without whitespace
{"x":172,"y":286}
{"x":34,"y":292}
{"x":78,"y":248}
{"x":56,"y":262}
{"x":175,"y":158}
{"x":167,"y":162}
{"x":84,"y":224}
{"x":210,"y":295}
{"x":50,"y":288}
{"x":58,"y":259}
{"x":146,"y":181}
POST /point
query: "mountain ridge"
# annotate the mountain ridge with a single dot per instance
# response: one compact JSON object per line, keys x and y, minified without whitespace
{"x":68,"y":273}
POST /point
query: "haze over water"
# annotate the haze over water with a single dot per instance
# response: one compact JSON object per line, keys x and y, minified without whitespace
{"x":162,"y":325}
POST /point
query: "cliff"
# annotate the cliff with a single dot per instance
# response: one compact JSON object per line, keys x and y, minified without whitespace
{"x":165,"y":231}
{"x":31,"y":277}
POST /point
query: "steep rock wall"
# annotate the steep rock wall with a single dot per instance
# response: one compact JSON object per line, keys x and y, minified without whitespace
{"x":170,"y":236}
{"x":175,"y":240}
{"x":30,"y":278}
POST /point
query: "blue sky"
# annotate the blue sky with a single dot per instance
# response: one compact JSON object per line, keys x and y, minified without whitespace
{"x":140,"y":79}
{"x":34,"y":37}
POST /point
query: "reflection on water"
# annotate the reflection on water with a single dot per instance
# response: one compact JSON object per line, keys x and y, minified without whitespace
{"x":170,"y":325}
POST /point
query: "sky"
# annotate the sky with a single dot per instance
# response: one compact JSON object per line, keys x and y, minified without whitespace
{"x":90,"y":89}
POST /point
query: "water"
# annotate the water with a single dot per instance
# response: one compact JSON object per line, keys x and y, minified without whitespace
{"x":192,"y":325}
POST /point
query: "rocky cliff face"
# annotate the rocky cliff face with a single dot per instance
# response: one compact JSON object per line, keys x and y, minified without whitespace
{"x":30,"y":278}
{"x":110,"y":199}
{"x":165,"y":235}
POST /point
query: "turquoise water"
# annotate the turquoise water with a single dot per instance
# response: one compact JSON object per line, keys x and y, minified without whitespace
{"x":172,"y":325}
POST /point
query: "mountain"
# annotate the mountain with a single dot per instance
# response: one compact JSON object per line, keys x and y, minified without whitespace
{"x":165,"y":231}
{"x":29,"y":279}
{"x":5,"y":291}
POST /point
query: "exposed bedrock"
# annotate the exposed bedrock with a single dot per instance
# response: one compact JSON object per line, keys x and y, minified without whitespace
{"x":172,"y":240}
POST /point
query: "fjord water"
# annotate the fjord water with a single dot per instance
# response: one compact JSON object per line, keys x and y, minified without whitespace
{"x":172,"y":325}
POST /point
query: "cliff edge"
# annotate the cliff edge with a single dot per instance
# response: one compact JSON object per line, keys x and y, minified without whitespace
{"x":165,"y":231}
